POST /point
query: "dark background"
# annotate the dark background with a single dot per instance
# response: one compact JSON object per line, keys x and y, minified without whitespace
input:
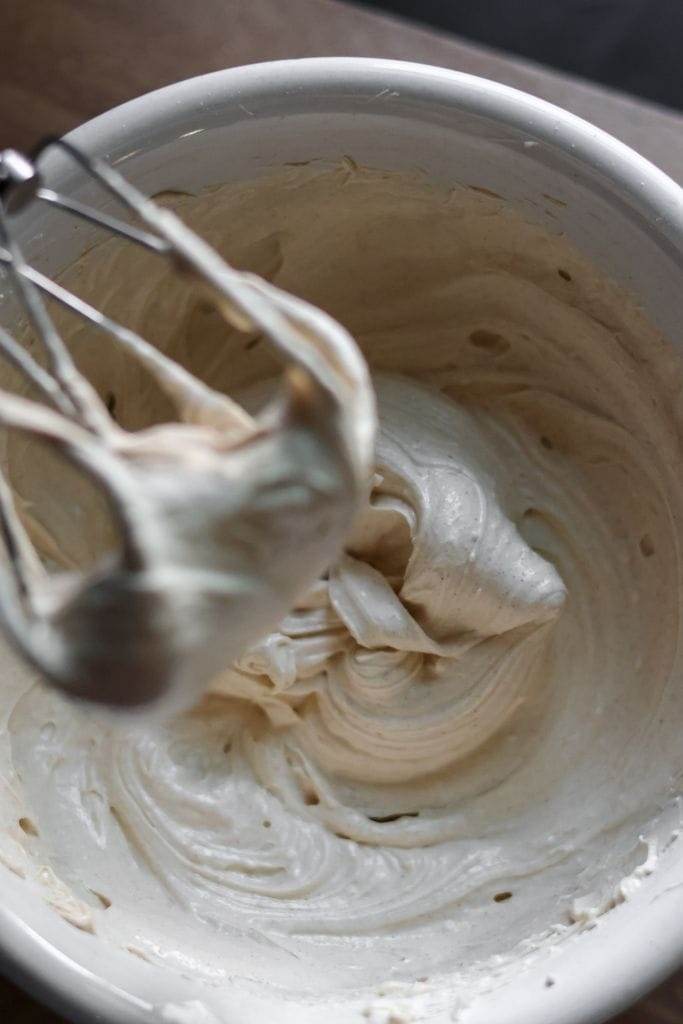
{"x":632,"y":45}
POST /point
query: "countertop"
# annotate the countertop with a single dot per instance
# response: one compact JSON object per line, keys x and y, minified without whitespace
{"x":63,"y":61}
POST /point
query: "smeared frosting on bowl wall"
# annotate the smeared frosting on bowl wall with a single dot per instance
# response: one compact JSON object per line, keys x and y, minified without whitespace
{"x":464,"y":743}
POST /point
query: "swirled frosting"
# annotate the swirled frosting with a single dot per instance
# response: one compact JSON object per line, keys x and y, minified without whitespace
{"x":460,"y":744}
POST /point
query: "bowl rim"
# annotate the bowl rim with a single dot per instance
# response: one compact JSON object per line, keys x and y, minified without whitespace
{"x":620,"y":972}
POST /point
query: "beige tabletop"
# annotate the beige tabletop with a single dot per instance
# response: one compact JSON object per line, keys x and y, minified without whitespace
{"x":63,"y":61}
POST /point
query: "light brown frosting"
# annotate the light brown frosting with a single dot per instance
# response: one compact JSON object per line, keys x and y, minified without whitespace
{"x":447,"y":754}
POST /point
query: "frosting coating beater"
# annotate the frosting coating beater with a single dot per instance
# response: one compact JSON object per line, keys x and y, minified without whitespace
{"x":224,"y":519}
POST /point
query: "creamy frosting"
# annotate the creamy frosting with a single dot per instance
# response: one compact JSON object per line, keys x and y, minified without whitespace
{"x":463,"y":743}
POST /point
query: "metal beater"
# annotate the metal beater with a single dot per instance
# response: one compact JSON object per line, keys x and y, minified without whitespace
{"x":224,"y":519}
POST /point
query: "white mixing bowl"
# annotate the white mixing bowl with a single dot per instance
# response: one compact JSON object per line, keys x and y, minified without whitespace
{"x":622,"y":212}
